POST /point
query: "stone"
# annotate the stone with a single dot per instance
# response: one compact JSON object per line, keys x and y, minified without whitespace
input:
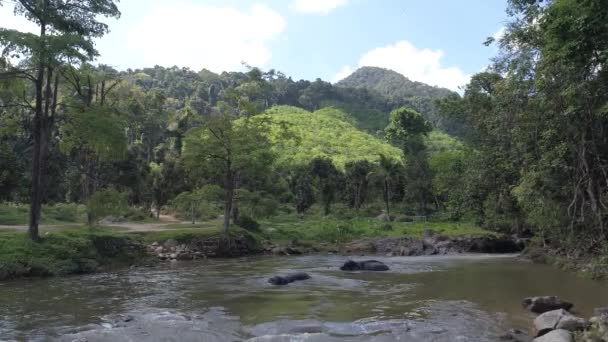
{"x":572,"y":323}
{"x":289,"y":278}
{"x":600,"y":311}
{"x":367,"y":265}
{"x":158,"y":249}
{"x":279,"y":251}
{"x":171,"y":243}
{"x":185,"y":256}
{"x":560,"y":320}
{"x":543,"y":304}
{"x":173,"y":256}
{"x":516,"y":335}
{"x":154,"y":244}
{"x":559,"y":335}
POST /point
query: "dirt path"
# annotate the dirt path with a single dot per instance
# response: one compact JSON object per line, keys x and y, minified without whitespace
{"x":164,"y":224}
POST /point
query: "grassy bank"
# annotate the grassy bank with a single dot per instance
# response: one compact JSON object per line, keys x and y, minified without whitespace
{"x":67,"y":252}
{"x":335,"y":230}
{"x":18,"y":214}
{"x":77,"y":249}
{"x":61,"y":213}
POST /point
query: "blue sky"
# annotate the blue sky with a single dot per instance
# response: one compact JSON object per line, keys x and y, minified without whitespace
{"x":434,"y":41}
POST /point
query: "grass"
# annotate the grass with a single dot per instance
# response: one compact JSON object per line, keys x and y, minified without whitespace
{"x":331,"y":229}
{"x":18,"y":214}
{"x":67,"y":252}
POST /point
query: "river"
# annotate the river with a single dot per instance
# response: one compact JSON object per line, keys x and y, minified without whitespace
{"x":451,"y":298}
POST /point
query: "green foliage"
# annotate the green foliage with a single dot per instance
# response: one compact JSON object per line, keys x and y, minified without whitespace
{"x":106,"y":202}
{"x":332,"y":228}
{"x":99,"y":130}
{"x":325,"y":133}
{"x":248,"y":223}
{"x":18,"y":214}
{"x":398,"y":92}
{"x":201,"y":203}
{"x":63,"y":253}
{"x":329,"y":179}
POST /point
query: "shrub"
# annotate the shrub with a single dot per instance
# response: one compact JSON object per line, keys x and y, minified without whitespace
{"x":106,"y":202}
{"x":248,"y":223}
{"x":386,"y":227}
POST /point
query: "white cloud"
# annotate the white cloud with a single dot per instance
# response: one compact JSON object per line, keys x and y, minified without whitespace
{"x":189,"y":34}
{"x":422,"y":65}
{"x":322,"y":7}
{"x":343,"y":73}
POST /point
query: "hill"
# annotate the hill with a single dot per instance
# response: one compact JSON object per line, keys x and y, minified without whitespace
{"x":391,"y":84}
{"x":328,"y":132}
{"x":399,"y":91}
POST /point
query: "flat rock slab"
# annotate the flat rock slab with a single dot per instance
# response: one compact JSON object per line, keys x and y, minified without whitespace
{"x":559,"y":335}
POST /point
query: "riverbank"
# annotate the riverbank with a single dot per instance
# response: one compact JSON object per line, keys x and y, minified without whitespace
{"x":85,"y":250}
{"x":77,"y":249}
{"x":587,"y":265}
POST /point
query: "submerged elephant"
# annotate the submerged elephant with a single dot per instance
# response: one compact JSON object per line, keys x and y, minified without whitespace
{"x":289,"y":278}
{"x":367,"y":265}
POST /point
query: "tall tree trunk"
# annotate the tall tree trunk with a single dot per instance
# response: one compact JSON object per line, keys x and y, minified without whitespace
{"x":386,"y":198}
{"x":229,"y":196}
{"x":235,"y":204}
{"x":36,"y":187}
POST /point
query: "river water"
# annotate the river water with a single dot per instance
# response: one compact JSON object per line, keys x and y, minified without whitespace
{"x":452,"y":298}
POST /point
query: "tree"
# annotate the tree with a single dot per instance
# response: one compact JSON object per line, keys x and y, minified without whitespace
{"x":328,"y":177}
{"x":408,"y":128}
{"x":300,"y":184}
{"x":167,"y":181}
{"x":357,"y":175}
{"x":224,"y":149}
{"x":388,"y":170}
{"x":192,"y":202}
{"x":67,"y":29}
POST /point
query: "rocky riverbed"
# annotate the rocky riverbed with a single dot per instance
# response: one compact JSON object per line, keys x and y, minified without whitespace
{"x":429,"y":244}
{"x":556,"y":323}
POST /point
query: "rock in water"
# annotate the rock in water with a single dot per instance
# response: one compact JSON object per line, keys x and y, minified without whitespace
{"x":559,"y":335}
{"x":290,"y":278}
{"x":560,"y":320}
{"x":367,"y":265}
{"x":543,"y":304}
{"x":516,"y":335}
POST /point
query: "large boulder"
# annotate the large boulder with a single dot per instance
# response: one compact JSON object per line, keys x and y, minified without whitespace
{"x":543,"y":304}
{"x":367,"y":265}
{"x":559,"y":335}
{"x":289,"y":278}
{"x":558,"y":319}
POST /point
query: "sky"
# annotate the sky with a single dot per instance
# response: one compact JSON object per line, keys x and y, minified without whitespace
{"x":438,"y":42}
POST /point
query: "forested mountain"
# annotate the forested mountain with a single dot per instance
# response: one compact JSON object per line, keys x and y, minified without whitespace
{"x":399,"y":91}
{"x":391,"y":84}
{"x":369,"y":105}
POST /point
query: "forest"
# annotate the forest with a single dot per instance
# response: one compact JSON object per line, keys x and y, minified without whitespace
{"x":166,"y":203}
{"x":523,"y":149}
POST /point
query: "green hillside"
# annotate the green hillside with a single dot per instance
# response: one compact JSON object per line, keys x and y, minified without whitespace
{"x":327,"y":132}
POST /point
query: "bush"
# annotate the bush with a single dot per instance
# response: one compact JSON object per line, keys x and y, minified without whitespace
{"x":63,"y":212}
{"x":248,"y":223}
{"x":386,"y":227}
{"x":106,"y":202}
